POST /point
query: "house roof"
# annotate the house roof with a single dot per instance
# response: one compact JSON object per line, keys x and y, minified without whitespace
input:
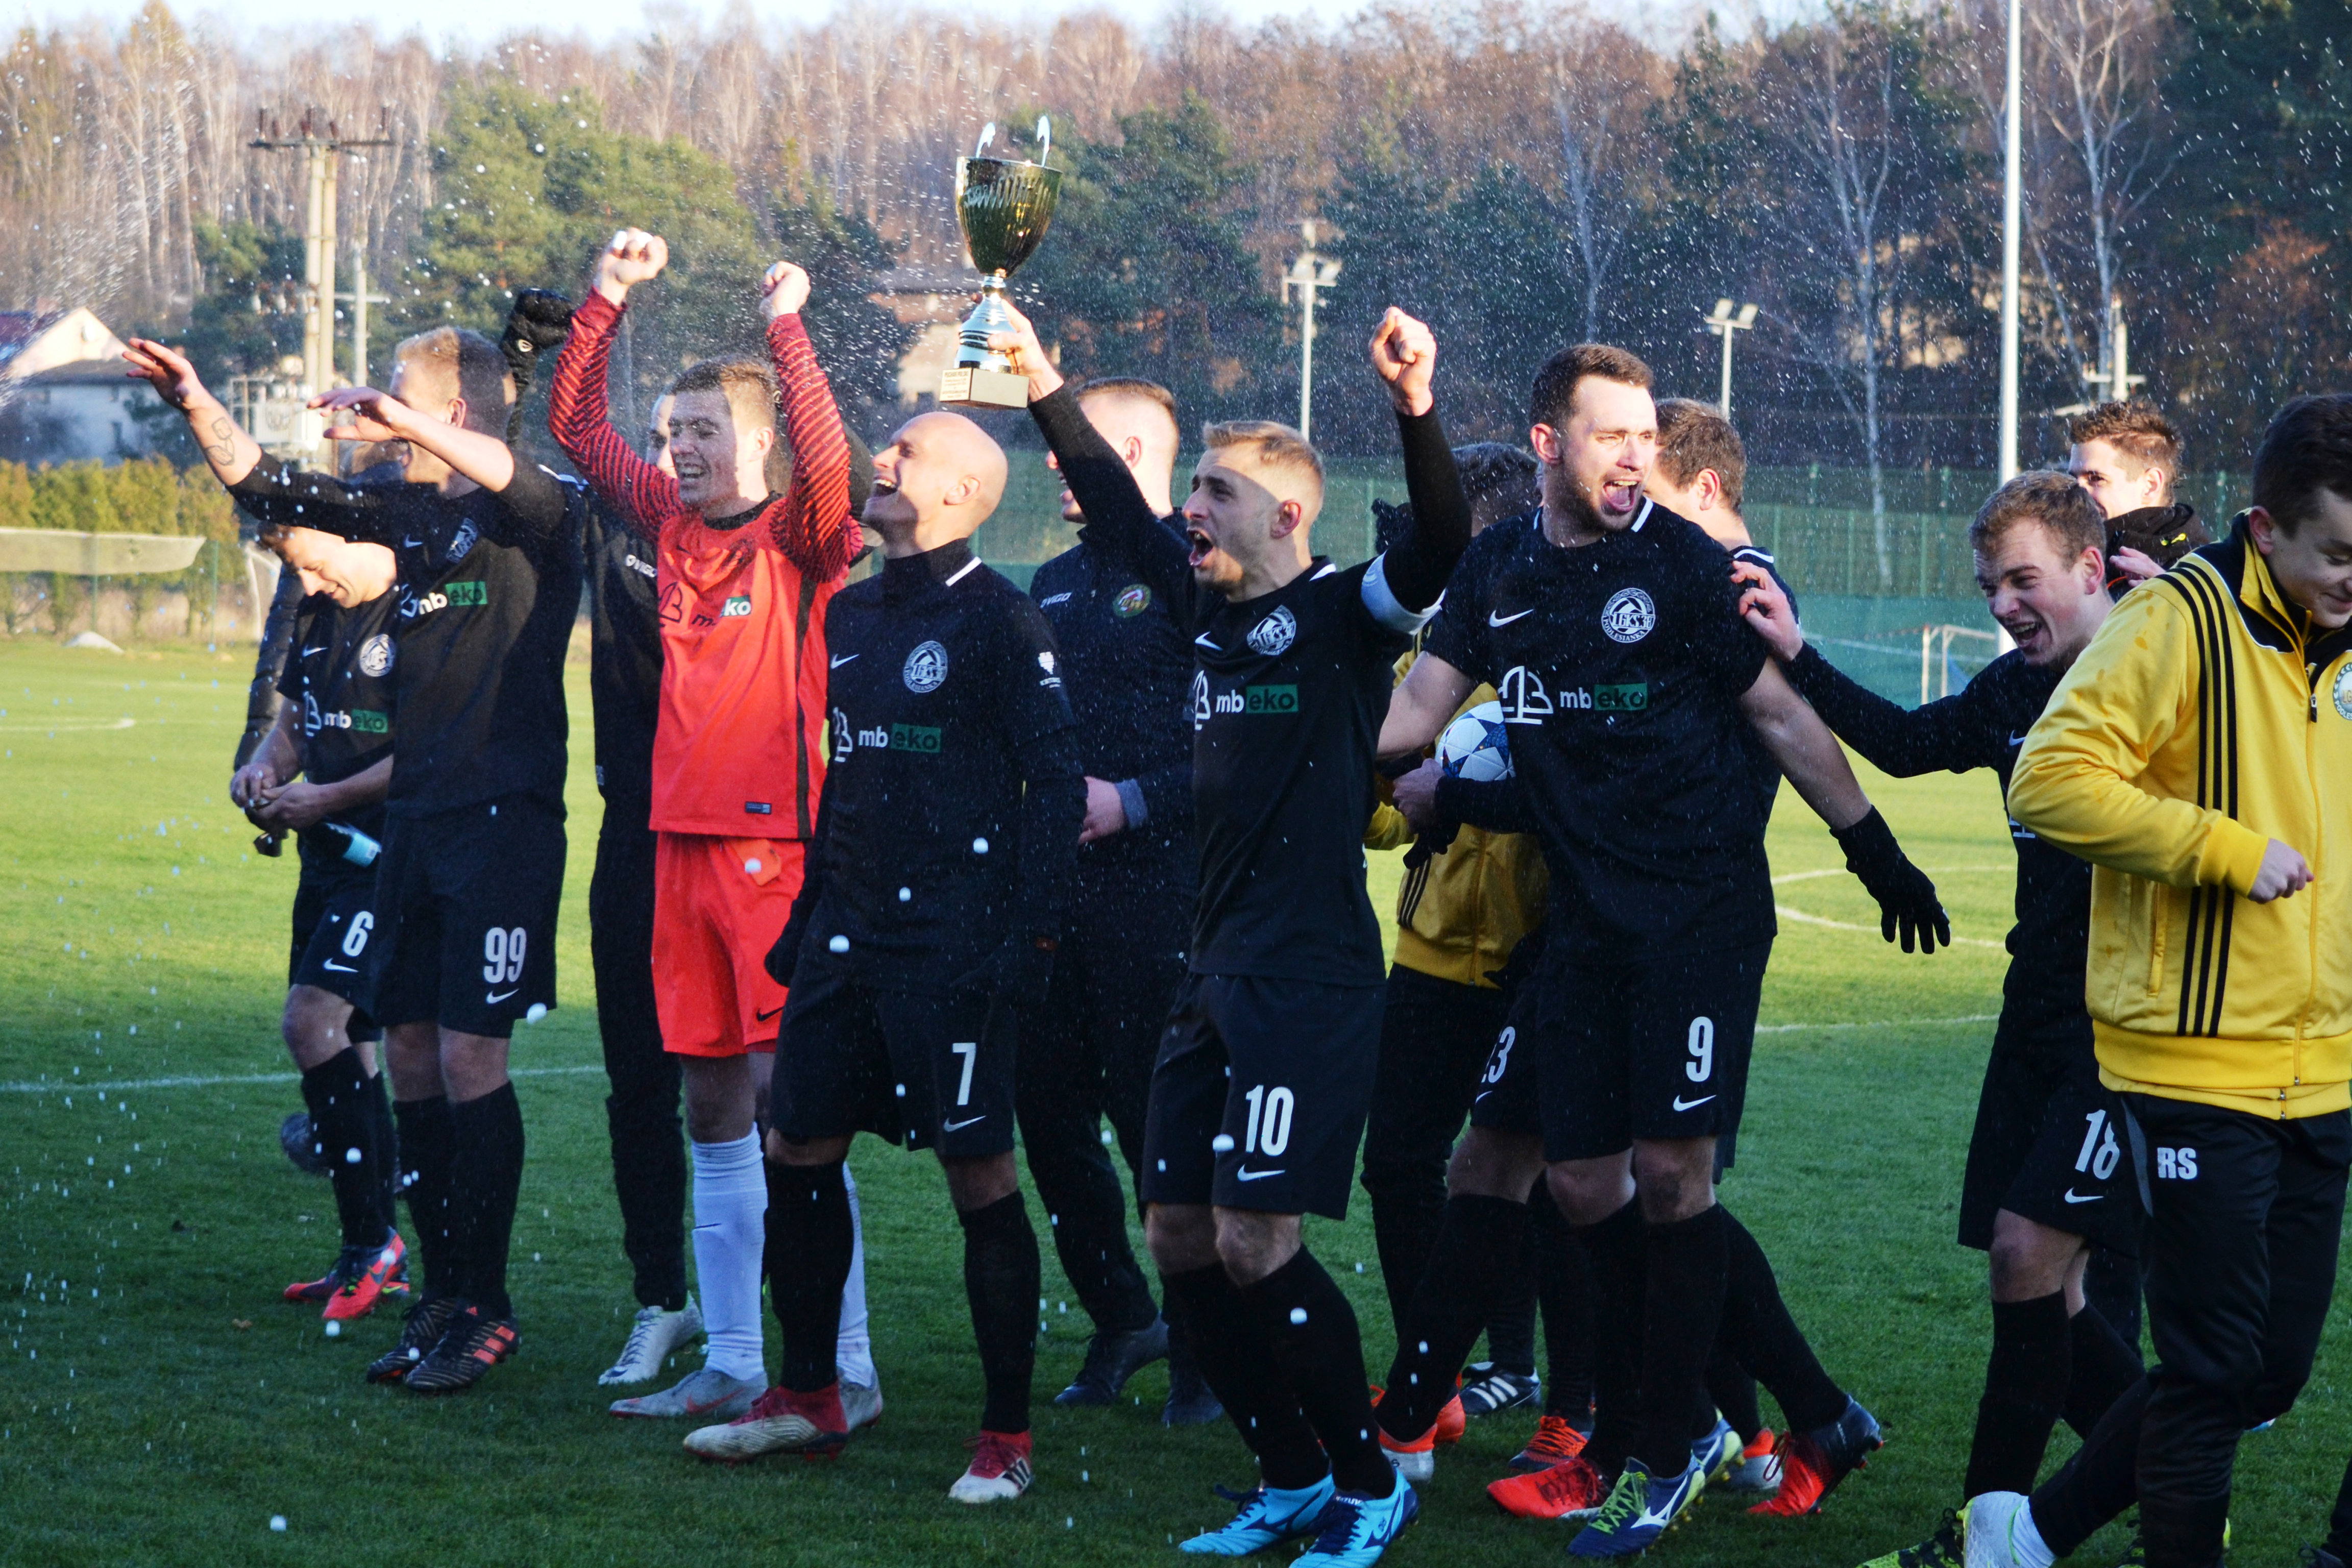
{"x":34,"y":342}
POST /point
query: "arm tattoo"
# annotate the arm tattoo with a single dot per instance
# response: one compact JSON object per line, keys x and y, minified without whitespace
{"x":222,"y":447}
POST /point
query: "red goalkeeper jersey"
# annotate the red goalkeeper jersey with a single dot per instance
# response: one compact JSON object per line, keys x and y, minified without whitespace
{"x":739,"y":747}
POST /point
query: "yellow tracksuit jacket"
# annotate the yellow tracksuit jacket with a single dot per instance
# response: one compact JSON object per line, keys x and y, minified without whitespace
{"x":1462,"y":912}
{"x":2206,"y":719}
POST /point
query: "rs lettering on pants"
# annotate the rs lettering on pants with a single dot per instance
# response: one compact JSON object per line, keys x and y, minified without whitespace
{"x":2176,"y":1165}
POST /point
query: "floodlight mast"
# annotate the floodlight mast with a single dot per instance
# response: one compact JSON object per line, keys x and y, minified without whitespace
{"x":1723,"y":322}
{"x":1309,"y":273}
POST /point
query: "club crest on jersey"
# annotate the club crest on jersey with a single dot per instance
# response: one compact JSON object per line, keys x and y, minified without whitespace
{"x":2344,"y":692}
{"x":375,"y":659}
{"x":1629,"y":616}
{"x":1045,"y":663}
{"x":462,"y":544}
{"x":1274,"y":634}
{"x":1132,"y":601}
{"x":925,"y":668}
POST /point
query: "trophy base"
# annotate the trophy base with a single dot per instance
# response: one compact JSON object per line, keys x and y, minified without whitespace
{"x":970,"y":386}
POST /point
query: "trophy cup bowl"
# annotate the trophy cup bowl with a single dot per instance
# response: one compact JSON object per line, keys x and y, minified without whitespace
{"x":1003,"y":207}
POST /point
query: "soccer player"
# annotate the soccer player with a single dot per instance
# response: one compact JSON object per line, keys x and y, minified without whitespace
{"x":1610,"y":629}
{"x":1087,"y":1053}
{"x":1259,"y":1094}
{"x":334,"y":731}
{"x":2198,"y":754}
{"x":2128,"y":455}
{"x":744,"y":581}
{"x":924,"y":932}
{"x":472,"y":870}
{"x":1467,"y":900}
{"x":2043,"y":1183}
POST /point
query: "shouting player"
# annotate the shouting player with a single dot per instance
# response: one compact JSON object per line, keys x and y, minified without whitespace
{"x":2043,"y":1183}
{"x":335,"y":729}
{"x":744,"y":581}
{"x":1610,"y":628}
{"x":472,"y":869}
{"x":925,"y":929}
{"x":1258,"y":1096}
{"x":2198,"y":754}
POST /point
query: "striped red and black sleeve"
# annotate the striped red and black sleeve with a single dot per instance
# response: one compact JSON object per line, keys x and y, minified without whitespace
{"x":578,"y":419}
{"x":812,"y":527}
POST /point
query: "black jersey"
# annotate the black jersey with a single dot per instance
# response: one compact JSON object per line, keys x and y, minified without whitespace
{"x":338,"y":673}
{"x":488,"y":592}
{"x":625,"y":656}
{"x":1287,"y":693}
{"x":1983,"y":725}
{"x":1763,"y":767}
{"x":1619,"y":666}
{"x":1126,"y":666}
{"x":953,"y":803}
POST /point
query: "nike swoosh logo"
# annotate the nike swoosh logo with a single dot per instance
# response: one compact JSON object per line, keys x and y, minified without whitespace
{"x":960,"y":1126}
{"x":2095,"y":1197}
{"x":1682,"y":1104}
{"x":1202,"y":641}
{"x":339,"y":968}
{"x":837,"y":663}
{"x":1495,"y":620}
{"x":309,"y":651}
{"x":2017,"y":740}
{"x":502,"y":995}
{"x":760,"y":1017}
{"x":412,"y":544}
{"x":1259,"y":1175}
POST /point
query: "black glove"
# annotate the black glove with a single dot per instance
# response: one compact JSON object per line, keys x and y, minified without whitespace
{"x":1525,"y":953}
{"x":1017,"y":972}
{"x":1906,"y":900}
{"x":1430,"y":844}
{"x":536,"y":327}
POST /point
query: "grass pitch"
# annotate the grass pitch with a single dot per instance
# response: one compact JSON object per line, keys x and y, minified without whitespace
{"x":159,"y":1404}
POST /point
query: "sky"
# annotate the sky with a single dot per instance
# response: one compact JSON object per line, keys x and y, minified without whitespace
{"x":479,"y":21}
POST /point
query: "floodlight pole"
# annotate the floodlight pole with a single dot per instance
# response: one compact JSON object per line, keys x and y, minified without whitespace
{"x":1308,"y":274}
{"x":320,"y":144}
{"x":1723,"y":322}
{"x":2013,"y":202}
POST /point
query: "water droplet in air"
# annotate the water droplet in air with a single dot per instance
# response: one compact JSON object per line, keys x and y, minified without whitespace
{"x":838,"y":944}
{"x":1298,"y":1315}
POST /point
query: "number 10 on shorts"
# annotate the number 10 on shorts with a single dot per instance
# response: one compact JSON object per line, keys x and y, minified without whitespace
{"x":1269,"y":1120}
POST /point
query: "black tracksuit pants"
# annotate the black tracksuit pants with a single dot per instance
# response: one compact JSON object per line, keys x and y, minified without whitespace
{"x":1435,"y":1037}
{"x":642,"y":1112}
{"x":1086,"y":1055}
{"x":2245,"y":1215}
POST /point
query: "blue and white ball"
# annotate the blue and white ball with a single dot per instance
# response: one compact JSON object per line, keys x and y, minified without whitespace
{"x":1475,"y":746}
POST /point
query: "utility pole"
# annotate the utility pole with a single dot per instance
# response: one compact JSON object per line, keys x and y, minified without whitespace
{"x":2114,"y":377}
{"x":321,"y":142}
{"x":2012,"y":209}
{"x":1308,"y":274}
{"x":359,"y":300}
{"x":1722,"y":322}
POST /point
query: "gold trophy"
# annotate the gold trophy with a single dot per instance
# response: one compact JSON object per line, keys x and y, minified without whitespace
{"x":1003,"y":206}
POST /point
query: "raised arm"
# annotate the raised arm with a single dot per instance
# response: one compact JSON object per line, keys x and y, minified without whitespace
{"x":813,"y":528}
{"x":577,"y":413}
{"x":229,"y":450}
{"x":1412,"y":572}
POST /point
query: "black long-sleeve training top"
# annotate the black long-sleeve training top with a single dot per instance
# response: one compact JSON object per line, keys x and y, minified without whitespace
{"x":1981,"y":726}
{"x":489,"y":588}
{"x":1288,"y":694}
{"x":625,"y":656}
{"x":951,"y":806}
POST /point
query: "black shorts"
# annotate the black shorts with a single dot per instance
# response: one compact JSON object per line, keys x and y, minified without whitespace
{"x":335,"y":921}
{"x":1599,"y":1052}
{"x":465,"y":904}
{"x":2049,"y":1143}
{"x":1259,"y":1092}
{"x":929,"y":1071}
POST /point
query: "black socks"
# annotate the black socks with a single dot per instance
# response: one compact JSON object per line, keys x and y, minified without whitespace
{"x":485,"y":1174}
{"x":1312,"y":1332}
{"x":343,"y":1132}
{"x":809,"y":1246}
{"x":1001,"y":1281}
{"x":1476,"y":1262}
{"x":1564,"y":1284}
{"x":1240,"y":1369}
{"x":1760,"y":1333}
{"x":2105,"y":1368}
{"x":1733,"y":1391}
{"x":2025,"y":1385}
{"x":1618,"y":1252}
{"x":424,"y":1152}
{"x":1684,"y":1304}
{"x":387,"y":1151}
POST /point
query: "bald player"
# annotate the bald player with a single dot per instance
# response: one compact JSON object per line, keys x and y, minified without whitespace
{"x":1089,"y":1054}
{"x":926,"y":926}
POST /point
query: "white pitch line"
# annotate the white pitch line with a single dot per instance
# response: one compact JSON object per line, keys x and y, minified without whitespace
{"x":119,"y":1085}
{"x":1878,"y":1023}
{"x":1801,"y":918}
{"x":72,"y":726}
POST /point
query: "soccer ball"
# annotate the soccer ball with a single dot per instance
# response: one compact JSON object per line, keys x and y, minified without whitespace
{"x":1475,"y":746}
